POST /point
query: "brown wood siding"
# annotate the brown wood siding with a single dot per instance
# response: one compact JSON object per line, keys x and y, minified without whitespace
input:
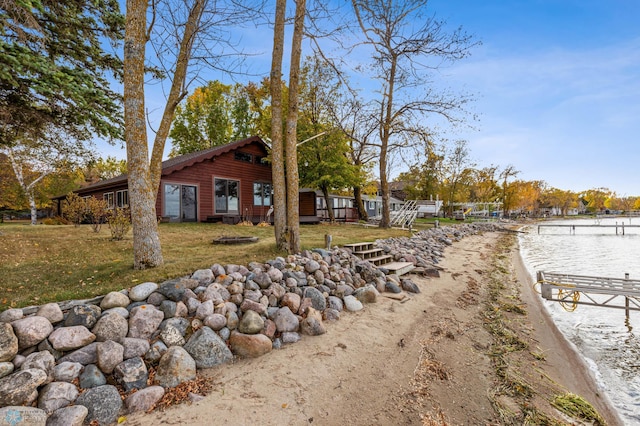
{"x":307,"y":203}
{"x":225,"y":167}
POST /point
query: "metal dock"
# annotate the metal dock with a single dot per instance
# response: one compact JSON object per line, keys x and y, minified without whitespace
{"x":621,"y":293}
{"x":572,"y":228}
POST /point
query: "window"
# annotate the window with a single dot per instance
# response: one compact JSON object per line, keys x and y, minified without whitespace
{"x":262,"y":194}
{"x":122,"y":199}
{"x":243,"y":156}
{"x":108,"y":197}
{"x":226,"y":195}
{"x":181,"y":202}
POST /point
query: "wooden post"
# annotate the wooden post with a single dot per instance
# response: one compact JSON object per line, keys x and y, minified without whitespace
{"x":327,"y":241}
{"x":626,"y":299}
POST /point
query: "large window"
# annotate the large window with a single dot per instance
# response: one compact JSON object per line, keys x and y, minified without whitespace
{"x":108,"y":197}
{"x":243,"y":156}
{"x":122,"y":199}
{"x":181,"y":202}
{"x":262,"y":194}
{"x":227,"y":195}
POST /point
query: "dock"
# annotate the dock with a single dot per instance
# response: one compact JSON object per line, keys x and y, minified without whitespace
{"x":620,"y":228}
{"x":621,"y":293}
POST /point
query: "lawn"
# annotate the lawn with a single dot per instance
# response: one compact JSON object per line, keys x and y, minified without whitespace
{"x":45,"y":263}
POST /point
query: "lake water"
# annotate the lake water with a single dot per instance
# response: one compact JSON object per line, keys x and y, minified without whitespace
{"x":609,"y":344}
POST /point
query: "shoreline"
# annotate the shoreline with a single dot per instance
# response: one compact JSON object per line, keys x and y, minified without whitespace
{"x":427,"y":361}
{"x":562,"y":352}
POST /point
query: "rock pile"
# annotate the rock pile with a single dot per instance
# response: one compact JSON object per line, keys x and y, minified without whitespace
{"x":72,"y":365}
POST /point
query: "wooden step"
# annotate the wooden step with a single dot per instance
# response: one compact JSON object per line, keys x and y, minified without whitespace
{"x":368,"y":254}
{"x":359,"y":247}
{"x":380,"y":260}
{"x":398,"y":268}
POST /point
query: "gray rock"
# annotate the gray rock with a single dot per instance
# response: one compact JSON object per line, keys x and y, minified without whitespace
{"x":171,"y":336}
{"x":31,"y":330}
{"x":6,"y":368}
{"x":86,"y":315}
{"x":123,"y":312}
{"x":290,"y":337}
{"x":192,"y":305}
{"x":205,"y":309}
{"x":92,"y":377}
{"x":207,"y":348}
{"x":11,"y":315}
{"x":40,"y":360}
{"x":311,"y":266}
{"x":392,"y":287}
{"x":352,"y":304}
{"x":312,"y":324}
{"x":155,"y":299}
{"x":68,"y":416}
{"x":84,"y":356}
{"x":8,"y":342}
{"x":109,"y":355}
{"x":144,"y":399}
{"x":134,"y":347}
{"x":286,"y":321}
{"x":144,"y":321}
{"x":366,"y":294}
{"x":45,"y":345}
{"x":14,"y":415}
{"x":168,"y":308}
{"x":132,"y":374}
{"x":67,"y":371}
{"x":182,"y":324}
{"x":249,"y":345}
{"x":215,"y":321}
{"x":318,"y":300}
{"x":409,"y":286}
{"x":251,"y":323}
{"x":232,"y":320}
{"x":203,"y":276}
{"x":142,"y":291}
{"x":111,"y":327}
{"x":52,"y":312}
{"x":18,"y":360}
{"x":172,"y":289}
{"x":155,"y":352}
{"x":331,"y":314}
{"x":115,"y":299}
{"x":176,"y":366}
{"x":20,"y":388}
{"x":71,"y":338}
{"x":181,"y":310}
{"x":103,"y":404}
{"x":336,"y":303}
{"x":275,"y":275}
{"x":56,"y":395}
{"x":224,"y":333}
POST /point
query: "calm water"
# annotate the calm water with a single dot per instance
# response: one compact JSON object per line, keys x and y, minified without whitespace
{"x":609,"y":344}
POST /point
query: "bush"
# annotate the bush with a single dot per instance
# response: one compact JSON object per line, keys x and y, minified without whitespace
{"x":57,"y":220}
{"x":119,"y":223}
{"x":75,"y":209}
{"x":96,"y":212}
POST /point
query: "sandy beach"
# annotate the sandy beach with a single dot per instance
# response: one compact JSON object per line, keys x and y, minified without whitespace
{"x":428,"y":360}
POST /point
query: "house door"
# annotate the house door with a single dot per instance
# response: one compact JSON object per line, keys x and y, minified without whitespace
{"x":181,"y":202}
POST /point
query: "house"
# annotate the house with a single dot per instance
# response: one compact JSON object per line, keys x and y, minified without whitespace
{"x":228,"y":183}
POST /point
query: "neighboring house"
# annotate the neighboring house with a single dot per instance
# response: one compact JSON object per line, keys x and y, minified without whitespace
{"x":373,"y":205}
{"x":227,"y":183}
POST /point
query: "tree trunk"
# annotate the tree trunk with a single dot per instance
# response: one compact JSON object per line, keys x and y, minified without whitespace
{"x":357,"y":195}
{"x":277,"y":146}
{"x":32,"y":206}
{"x":147,"y":252}
{"x":291,"y":146}
{"x":325,"y":194}
{"x":384,"y":144}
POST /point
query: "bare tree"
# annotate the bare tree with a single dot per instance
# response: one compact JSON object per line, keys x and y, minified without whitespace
{"x":507,"y":173}
{"x":402,"y":55}
{"x":185,"y":33}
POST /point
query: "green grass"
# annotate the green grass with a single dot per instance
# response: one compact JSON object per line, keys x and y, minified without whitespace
{"x":40,"y":264}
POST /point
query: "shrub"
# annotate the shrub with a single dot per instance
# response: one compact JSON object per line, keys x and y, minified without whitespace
{"x":56,"y":220}
{"x":96,"y":212}
{"x":119,"y":223}
{"x":75,"y":209}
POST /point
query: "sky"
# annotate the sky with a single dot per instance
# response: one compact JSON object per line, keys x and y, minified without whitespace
{"x":556,"y":87}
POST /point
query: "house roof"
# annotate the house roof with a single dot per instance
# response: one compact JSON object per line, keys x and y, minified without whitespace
{"x":177,"y":163}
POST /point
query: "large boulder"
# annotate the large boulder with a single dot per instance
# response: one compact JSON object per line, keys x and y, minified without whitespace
{"x":207,"y":348}
{"x":31,"y":330}
{"x":8,"y":342}
{"x":86,"y":315}
{"x":56,"y":395}
{"x":21,"y":388}
{"x":144,"y":399}
{"x":132,"y":374}
{"x":251,"y":323}
{"x":111,"y":327}
{"x":144,"y":321}
{"x":68,"y":416}
{"x":103,"y":404}
{"x":71,"y":338}
{"x":250,"y":345}
{"x":176,"y":366}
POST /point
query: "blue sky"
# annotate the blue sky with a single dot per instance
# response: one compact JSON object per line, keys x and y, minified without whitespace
{"x":556,"y":86}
